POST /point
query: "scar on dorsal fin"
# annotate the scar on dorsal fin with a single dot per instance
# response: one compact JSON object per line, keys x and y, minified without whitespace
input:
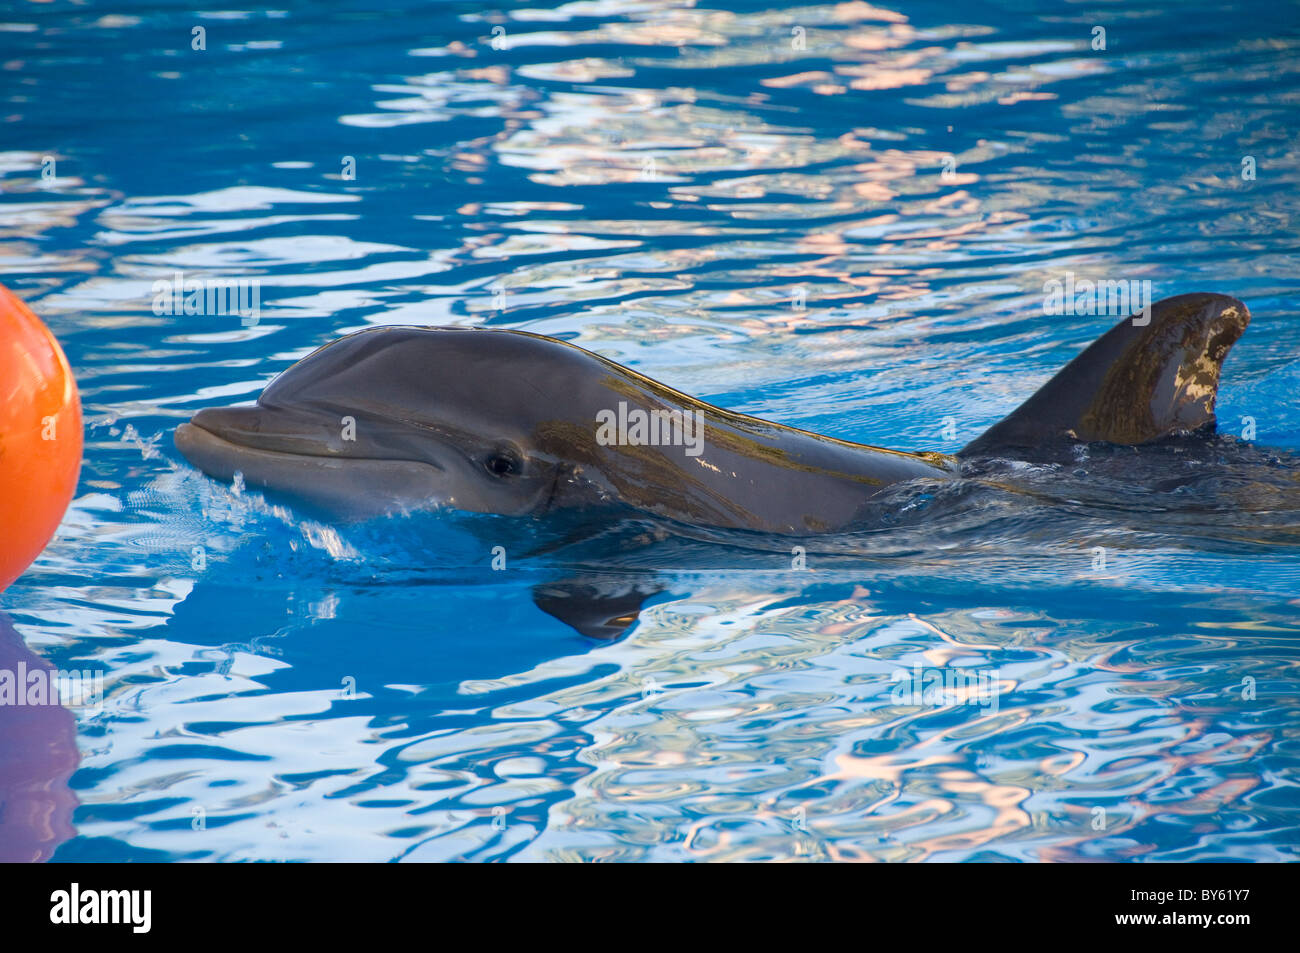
{"x":1140,"y":381}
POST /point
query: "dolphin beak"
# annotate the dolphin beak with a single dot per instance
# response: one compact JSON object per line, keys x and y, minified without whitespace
{"x":210,"y":453}
{"x":228,"y":440}
{"x":260,"y":429}
{"x":220,"y":420}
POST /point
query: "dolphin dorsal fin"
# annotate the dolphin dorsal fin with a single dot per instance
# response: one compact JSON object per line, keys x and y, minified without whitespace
{"x":1145,"y":378}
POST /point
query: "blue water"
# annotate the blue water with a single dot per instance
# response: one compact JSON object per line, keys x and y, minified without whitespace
{"x":754,"y":205}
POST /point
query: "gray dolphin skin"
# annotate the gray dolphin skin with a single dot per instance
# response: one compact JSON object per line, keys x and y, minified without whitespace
{"x":499,"y":421}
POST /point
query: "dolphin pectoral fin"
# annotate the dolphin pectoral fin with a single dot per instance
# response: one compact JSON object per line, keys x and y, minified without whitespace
{"x":599,"y":607}
{"x":1154,"y":374}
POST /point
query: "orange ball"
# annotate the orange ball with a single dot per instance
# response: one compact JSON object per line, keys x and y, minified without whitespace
{"x":40,"y":436}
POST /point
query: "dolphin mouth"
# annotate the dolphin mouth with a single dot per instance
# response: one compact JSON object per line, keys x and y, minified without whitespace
{"x":353,"y":487}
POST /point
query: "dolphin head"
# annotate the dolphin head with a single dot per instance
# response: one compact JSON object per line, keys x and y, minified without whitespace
{"x":402,"y":418}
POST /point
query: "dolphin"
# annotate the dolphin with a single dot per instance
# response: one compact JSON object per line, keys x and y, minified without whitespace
{"x":509,"y":422}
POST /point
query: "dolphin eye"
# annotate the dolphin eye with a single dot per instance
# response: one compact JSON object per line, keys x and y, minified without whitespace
{"x":504,"y":463}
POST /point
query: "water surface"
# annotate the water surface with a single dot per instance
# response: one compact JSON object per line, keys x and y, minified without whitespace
{"x":839,"y":216}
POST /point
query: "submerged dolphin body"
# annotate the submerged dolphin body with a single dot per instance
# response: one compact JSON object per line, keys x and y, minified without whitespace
{"x":509,"y":422}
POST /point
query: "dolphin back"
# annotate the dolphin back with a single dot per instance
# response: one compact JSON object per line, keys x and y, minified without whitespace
{"x":1152,"y":375}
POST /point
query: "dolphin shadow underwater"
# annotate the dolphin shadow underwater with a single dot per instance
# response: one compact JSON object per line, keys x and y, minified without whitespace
{"x":397,"y":419}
